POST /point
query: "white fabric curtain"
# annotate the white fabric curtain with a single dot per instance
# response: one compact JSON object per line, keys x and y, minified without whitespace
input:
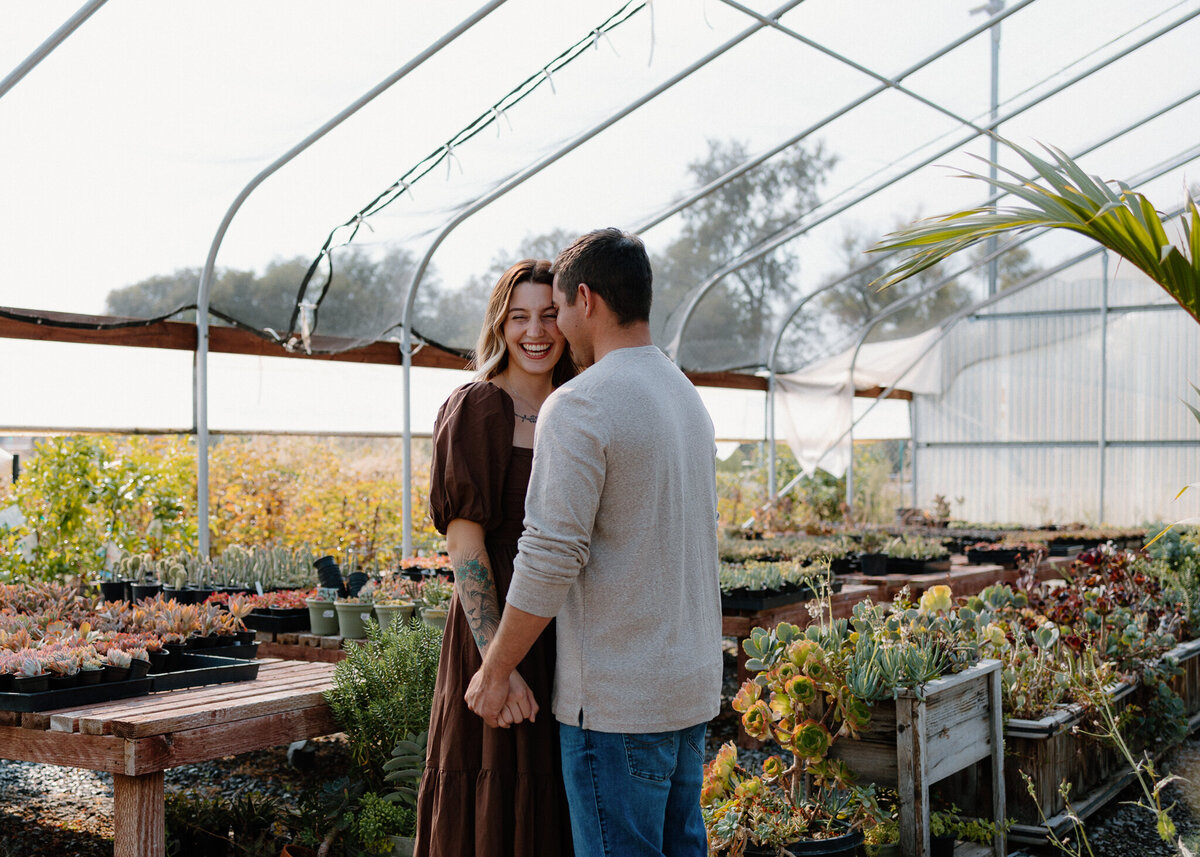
{"x":816,"y":404}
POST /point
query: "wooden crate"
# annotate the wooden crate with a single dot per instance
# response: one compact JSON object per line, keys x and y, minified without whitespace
{"x":1052,"y":750}
{"x":913,"y":742}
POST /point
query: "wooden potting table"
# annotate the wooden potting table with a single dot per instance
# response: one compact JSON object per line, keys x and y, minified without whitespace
{"x":137,"y":739}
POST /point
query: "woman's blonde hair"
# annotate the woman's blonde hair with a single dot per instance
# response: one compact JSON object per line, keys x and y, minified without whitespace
{"x":491,"y":352}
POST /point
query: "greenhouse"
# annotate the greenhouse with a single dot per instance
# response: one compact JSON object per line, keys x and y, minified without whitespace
{"x":932,"y":268}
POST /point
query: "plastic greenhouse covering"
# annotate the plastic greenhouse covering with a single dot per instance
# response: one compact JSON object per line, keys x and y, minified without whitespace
{"x":328,"y":175}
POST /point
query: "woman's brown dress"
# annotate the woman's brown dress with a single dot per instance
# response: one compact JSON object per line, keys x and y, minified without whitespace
{"x":487,"y":792}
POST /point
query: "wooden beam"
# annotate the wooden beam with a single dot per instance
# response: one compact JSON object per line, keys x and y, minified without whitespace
{"x":873,"y":393}
{"x":94,"y":752}
{"x":181,"y":336}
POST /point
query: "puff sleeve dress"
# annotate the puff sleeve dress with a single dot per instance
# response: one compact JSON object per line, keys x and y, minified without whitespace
{"x":487,"y":792}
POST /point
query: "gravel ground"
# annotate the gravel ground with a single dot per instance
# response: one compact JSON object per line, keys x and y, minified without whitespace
{"x":49,"y":811}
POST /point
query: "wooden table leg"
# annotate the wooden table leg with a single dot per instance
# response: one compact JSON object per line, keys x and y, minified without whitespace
{"x":138,"y":814}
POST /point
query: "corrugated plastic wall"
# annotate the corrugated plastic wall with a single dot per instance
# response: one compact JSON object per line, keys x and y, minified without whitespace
{"x":1016,"y":434}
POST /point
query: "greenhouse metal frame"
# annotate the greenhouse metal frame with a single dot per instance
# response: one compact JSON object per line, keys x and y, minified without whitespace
{"x":1124,"y":421}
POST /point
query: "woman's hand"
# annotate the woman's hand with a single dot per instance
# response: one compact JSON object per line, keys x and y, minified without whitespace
{"x":520,"y":705}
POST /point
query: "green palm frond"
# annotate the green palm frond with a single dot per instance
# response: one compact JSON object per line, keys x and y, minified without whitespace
{"x":1119,"y":218}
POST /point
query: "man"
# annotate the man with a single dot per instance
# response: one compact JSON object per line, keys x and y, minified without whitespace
{"x":620,"y":543}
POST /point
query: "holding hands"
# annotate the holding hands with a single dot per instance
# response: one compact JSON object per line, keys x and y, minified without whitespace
{"x":500,"y":701}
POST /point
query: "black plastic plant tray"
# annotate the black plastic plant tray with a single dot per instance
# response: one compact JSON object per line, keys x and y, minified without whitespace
{"x":762,"y":602}
{"x":996,"y":556}
{"x":241,"y":652}
{"x":67,"y":697}
{"x":277,"y":624}
{"x":197,"y":670}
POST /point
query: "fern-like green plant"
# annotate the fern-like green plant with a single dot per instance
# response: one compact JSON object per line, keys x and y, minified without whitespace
{"x":383,"y":691}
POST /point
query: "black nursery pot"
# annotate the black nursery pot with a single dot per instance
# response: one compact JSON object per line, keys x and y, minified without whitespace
{"x":114,"y":673}
{"x":90,"y":676}
{"x":139,"y":668}
{"x":31,"y":683}
{"x":61,"y":682}
{"x":846,"y":845}
{"x":114,"y":590}
{"x":145,"y":590}
{"x":174,"y":653}
{"x":198,"y":595}
{"x":873,"y":564}
{"x":356,"y":582}
{"x":328,"y":572}
{"x":158,"y":660}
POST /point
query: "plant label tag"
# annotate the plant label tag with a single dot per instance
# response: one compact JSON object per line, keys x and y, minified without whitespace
{"x":258,"y":587}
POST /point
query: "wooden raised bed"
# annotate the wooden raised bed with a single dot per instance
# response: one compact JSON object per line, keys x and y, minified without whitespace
{"x":911,"y":743}
{"x":1051,"y":751}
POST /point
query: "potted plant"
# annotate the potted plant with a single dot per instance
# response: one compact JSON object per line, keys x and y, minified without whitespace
{"x":142,"y":571}
{"x":29,"y":675}
{"x":353,"y":611}
{"x":799,"y":698}
{"x":871,"y":558}
{"x":435,"y":601}
{"x":948,"y":826}
{"x":322,"y":616}
{"x":395,"y":600}
{"x":916,"y":555}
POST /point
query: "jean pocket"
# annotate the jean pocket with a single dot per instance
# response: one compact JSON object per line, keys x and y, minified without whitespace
{"x":651,"y":755}
{"x":695,"y":739}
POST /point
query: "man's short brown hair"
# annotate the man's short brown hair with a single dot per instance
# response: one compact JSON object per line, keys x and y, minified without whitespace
{"x":615,"y":266}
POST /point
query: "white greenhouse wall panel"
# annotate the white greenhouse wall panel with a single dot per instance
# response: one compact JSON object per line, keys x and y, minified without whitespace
{"x":1029,"y":485}
{"x":1143,"y":481}
{"x":1017,"y":429}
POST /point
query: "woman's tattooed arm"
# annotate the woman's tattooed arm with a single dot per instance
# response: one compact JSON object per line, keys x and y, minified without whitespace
{"x":477,"y":594}
{"x":473,"y":580}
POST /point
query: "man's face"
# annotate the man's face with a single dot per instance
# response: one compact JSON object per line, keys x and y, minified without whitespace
{"x":572,"y":324}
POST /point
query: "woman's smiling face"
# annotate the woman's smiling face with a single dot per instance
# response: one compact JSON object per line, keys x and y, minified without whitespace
{"x":531,"y":329}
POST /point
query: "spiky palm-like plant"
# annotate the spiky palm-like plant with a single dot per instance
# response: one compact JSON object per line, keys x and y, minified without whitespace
{"x":1110,"y":213}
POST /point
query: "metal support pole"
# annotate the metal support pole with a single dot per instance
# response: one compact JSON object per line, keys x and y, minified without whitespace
{"x":850,"y":439}
{"x":912,"y":461}
{"x":56,"y":38}
{"x":771,"y":437}
{"x":200,"y":367}
{"x":993,"y":8}
{"x":1103,"y":422}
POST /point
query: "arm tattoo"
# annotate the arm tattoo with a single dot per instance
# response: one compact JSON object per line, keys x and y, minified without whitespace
{"x":477,"y":594}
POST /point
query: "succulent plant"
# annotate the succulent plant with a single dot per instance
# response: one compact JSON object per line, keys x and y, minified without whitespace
{"x":118,"y":658}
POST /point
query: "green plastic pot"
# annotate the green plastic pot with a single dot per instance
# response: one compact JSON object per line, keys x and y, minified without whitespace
{"x":386,"y":614}
{"x":322,"y":617}
{"x":435,"y":616}
{"x":351,"y":616}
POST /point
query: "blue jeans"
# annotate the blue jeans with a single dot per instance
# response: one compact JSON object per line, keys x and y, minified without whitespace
{"x":634,"y":794}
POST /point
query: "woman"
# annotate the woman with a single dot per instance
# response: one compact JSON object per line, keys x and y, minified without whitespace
{"x":493,"y":792}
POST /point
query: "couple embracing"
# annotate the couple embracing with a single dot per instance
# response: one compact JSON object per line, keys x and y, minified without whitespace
{"x":582,"y":654}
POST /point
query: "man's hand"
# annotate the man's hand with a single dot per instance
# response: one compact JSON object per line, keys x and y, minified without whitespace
{"x":497,"y":693}
{"x":501,"y":702}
